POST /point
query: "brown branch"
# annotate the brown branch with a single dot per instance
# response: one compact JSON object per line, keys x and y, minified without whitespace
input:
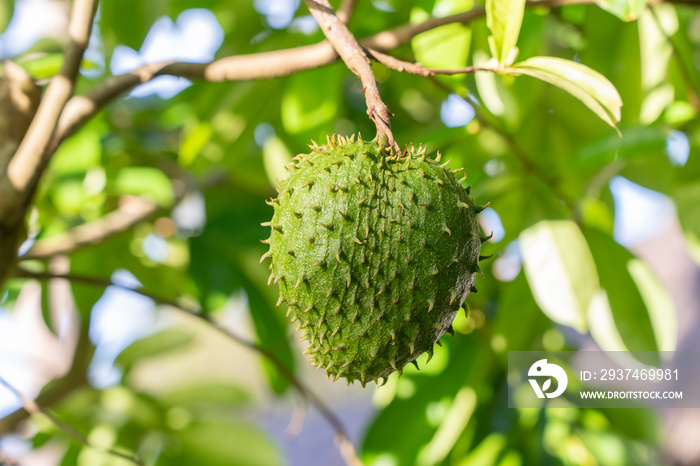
{"x":31,"y":157}
{"x":345,"y":446}
{"x":131,"y":211}
{"x":356,"y":60}
{"x":33,"y":407}
{"x":416,"y":68}
{"x":235,"y":68}
{"x":263,"y":65}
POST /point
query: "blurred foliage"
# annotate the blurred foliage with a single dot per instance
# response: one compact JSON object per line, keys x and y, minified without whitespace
{"x":541,"y":158}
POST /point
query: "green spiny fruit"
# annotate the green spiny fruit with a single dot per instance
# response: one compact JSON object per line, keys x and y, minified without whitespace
{"x":374,"y":253}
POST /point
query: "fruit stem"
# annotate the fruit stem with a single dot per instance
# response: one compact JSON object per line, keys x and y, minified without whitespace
{"x":355,"y":58}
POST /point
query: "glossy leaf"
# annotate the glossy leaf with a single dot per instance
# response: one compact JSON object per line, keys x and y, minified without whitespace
{"x":310,"y":99}
{"x":227,"y":443}
{"x":7,"y":9}
{"x":560,"y":270}
{"x":587,"y":85}
{"x":153,"y":345}
{"x":632,"y":312}
{"x":504,"y":18}
{"x":626,"y":10}
{"x":146,"y":181}
{"x":225,"y":260}
{"x":687,"y":198}
{"x":446,"y":47}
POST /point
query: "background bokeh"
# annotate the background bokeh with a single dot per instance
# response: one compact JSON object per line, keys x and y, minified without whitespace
{"x":150,"y":380}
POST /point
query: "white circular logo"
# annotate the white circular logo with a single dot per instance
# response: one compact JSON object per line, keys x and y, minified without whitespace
{"x":542,"y":369}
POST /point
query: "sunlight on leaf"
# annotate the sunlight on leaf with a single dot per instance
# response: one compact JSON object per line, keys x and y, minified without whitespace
{"x":587,"y":85}
{"x":7,"y":9}
{"x":626,"y":10}
{"x":632,"y":311}
{"x":560,"y":270}
{"x":504,"y":17}
{"x":450,"y":429}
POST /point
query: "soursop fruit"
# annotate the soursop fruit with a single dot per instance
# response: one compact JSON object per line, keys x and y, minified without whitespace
{"x":374,"y":252}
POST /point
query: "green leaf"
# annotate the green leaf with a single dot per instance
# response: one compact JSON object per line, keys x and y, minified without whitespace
{"x":78,"y":153}
{"x":127,"y":22}
{"x":632,"y":312}
{"x":153,"y":345}
{"x":560,"y":270}
{"x":487,"y":452}
{"x":193,"y":141}
{"x":636,"y":142}
{"x":655,"y":55}
{"x":446,"y":47}
{"x":210,"y":393}
{"x":145,"y":181}
{"x":415,"y":396}
{"x":687,"y":199}
{"x":503,"y":18}
{"x":587,"y":85}
{"x":447,"y":434}
{"x":225,"y":259}
{"x":276,"y":156}
{"x":626,"y":10}
{"x":7,"y":9}
{"x":518,"y":319}
{"x":311,"y":99}
{"x":227,"y":443}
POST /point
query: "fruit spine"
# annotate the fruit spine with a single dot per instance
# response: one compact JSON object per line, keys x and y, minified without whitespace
{"x":374,"y":253}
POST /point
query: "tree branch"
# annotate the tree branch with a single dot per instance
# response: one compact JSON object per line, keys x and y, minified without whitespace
{"x":31,"y":157}
{"x":416,"y":68}
{"x":353,"y":55}
{"x":345,"y":446}
{"x":33,"y":407}
{"x":261,"y":65}
{"x":131,"y":211}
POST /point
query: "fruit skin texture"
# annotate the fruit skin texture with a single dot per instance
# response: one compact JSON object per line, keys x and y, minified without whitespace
{"x":374,"y":254}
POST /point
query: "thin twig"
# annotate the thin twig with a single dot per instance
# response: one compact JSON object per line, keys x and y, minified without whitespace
{"x":33,"y":407}
{"x":261,"y":65}
{"x":25,"y":168}
{"x":416,"y":68}
{"x":344,"y":444}
{"x":356,"y":60}
{"x":131,"y":211}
